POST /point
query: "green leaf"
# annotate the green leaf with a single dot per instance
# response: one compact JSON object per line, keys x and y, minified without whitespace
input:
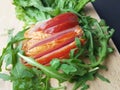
{"x":81,"y":71}
{"x":85,"y":87}
{"x":102,"y":22}
{"x":102,"y":78}
{"x":19,"y":36}
{"x":79,"y":83}
{"x":68,"y":68}
{"x":81,"y":4}
{"x":9,"y":53}
{"x":32,"y":11}
{"x":103,"y":67}
{"x":20,"y":71}
{"x":24,"y":77}
{"x":50,"y":72}
{"x":8,"y":59}
{"x":72,"y":53}
{"x":78,"y":43}
{"x":55,"y":63}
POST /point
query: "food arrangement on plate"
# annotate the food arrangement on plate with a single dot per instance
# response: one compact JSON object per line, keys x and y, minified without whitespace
{"x":58,"y":41}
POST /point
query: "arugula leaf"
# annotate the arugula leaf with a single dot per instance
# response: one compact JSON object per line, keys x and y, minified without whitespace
{"x":78,"y":43}
{"x":55,"y":63}
{"x":9,"y":54}
{"x":47,"y":70}
{"x":68,"y":68}
{"x":102,"y":78}
{"x":25,"y":78}
{"x":81,"y":81}
{"x":85,"y":87}
{"x":72,"y":53}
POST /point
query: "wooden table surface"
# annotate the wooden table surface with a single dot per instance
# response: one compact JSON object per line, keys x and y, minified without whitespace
{"x":8,"y":20}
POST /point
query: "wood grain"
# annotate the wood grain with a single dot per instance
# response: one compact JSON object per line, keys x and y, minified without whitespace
{"x":8,"y":20}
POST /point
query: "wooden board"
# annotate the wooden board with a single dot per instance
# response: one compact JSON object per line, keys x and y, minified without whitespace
{"x":8,"y":20}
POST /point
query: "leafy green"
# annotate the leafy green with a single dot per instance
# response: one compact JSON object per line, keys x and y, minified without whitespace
{"x":78,"y":43}
{"x":55,"y":63}
{"x":97,"y":36}
{"x":24,"y":78}
{"x":9,"y":54}
{"x":102,"y":78}
{"x":47,"y":70}
{"x":81,"y":81}
{"x":85,"y":87}
{"x":68,"y":68}
{"x":32,"y":11}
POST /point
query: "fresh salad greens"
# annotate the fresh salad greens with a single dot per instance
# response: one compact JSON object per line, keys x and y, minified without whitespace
{"x":32,"y":11}
{"x":81,"y":67}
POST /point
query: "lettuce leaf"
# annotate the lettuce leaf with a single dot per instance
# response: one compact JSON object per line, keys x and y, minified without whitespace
{"x":32,"y":11}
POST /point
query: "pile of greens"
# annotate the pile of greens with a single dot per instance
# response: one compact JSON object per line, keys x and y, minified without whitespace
{"x":32,"y":11}
{"x":81,"y":67}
